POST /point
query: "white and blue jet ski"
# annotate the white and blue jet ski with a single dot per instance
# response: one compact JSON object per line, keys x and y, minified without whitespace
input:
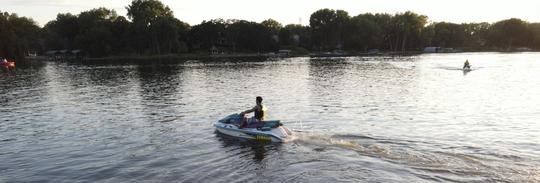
{"x":270,"y":130}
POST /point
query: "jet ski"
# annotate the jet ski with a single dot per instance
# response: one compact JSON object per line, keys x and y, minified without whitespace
{"x":270,"y":130}
{"x":467,"y":69}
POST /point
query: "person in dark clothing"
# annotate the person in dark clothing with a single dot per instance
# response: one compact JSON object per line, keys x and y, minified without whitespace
{"x":466,"y":65}
{"x":259,"y":113}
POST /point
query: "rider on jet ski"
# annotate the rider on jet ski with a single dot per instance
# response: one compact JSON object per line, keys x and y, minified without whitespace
{"x":466,"y":65}
{"x":258,"y":111}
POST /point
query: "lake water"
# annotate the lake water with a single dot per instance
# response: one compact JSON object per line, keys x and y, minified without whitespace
{"x":357,"y":119}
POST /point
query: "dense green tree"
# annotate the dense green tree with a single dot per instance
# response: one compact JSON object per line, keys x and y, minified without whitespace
{"x":236,"y":35}
{"x":272,"y":25}
{"x":151,"y":28}
{"x":401,"y":32}
{"x":427,"y":35}
{"x":287,"y":37}
{"x":102,"y":32}
{"x":96,"y":31}
{"x":96,"y":17}
{"x":448,"y":34}
{"x":183,"y":29}
{"x":207,"y":34}
{"x":384,"y":36}
{"x":167,"y":32}
{"x":295,"y":35}
{"x":511,"y":33}
{"x":251,"y":36}
{"x":62,"y":31}
{"x":406,"y":31}
{"x":341,"y":24}
{"x":364,"y":33}
{"x":144,"y":13}
{"x":470,"y":37}
{"x":18,"y":35}
{"x":272,"y":28}
{"x":476,"y":35}
{"x":121,"y":31}
{"x":323,"y":24}
{"x":535,"y":31}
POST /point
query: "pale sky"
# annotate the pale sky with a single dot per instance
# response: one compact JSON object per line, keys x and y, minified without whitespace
{"x":292,"y":11}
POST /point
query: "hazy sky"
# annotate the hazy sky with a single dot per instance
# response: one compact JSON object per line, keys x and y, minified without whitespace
{"x":292,"y":11}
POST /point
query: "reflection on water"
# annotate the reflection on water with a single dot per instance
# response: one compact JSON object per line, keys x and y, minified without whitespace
{"x":259,"y":149}
{"x":358,"y":119}
{"x":426,"y":160}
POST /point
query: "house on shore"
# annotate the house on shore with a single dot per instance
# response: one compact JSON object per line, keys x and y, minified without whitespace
{"x":284,"y":53}
{"x":440,"y":50}
{"x":65,"y":55}
{"x":432,"y":49}
{"x":223,"y":46}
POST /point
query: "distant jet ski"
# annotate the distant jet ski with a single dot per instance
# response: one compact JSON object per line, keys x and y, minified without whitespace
{"x":466,"y":66}
{"x":270,"y":130}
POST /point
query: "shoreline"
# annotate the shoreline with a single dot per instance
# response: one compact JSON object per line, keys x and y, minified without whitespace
{"x":177,"y":57}
{"x":239,"y":56}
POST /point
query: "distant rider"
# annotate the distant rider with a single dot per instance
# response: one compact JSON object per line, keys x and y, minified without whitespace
{"x":258,"y":111}
{"x":466,"y":65}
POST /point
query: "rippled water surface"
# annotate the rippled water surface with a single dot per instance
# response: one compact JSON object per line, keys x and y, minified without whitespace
{"x":358,"y":119}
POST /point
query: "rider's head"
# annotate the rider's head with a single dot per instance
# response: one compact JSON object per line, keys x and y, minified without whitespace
{"x":258,"y":99}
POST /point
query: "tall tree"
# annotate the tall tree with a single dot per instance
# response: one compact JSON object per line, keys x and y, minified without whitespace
{"x":251,"y":36}
{"x":18,"y":36}
{"x":341,"y":23}
{"x":206,"y":34}
{"x":535,"y":31}
{"x":295,"y":35}
{"x":406,"y":30}
{"x":167,"y":32}
{"x":121,"y":31}
{"x":384,"y":36}
{"x":448,"y":34}
{"x":322,"y":24}
{"x":62,"y":31}
{"x":272,"y":25}
{"x":364,"y":33}
{"x":272,"y":29}
{"x":96,"y":31}
{"x":510,"y":33}
{"x":144,"y":13}
{"x":476,"y":35}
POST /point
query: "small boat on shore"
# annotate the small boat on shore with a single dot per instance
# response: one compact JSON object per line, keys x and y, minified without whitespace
{"x":271,"y":130}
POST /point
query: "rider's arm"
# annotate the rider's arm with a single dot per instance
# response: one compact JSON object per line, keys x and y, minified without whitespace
{"x":249,"y":111}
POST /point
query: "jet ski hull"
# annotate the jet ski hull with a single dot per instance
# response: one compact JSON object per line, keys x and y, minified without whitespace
{"x":230,"y":126}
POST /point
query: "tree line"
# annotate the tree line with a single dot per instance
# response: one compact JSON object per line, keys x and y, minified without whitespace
{"x":150,"y":28}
